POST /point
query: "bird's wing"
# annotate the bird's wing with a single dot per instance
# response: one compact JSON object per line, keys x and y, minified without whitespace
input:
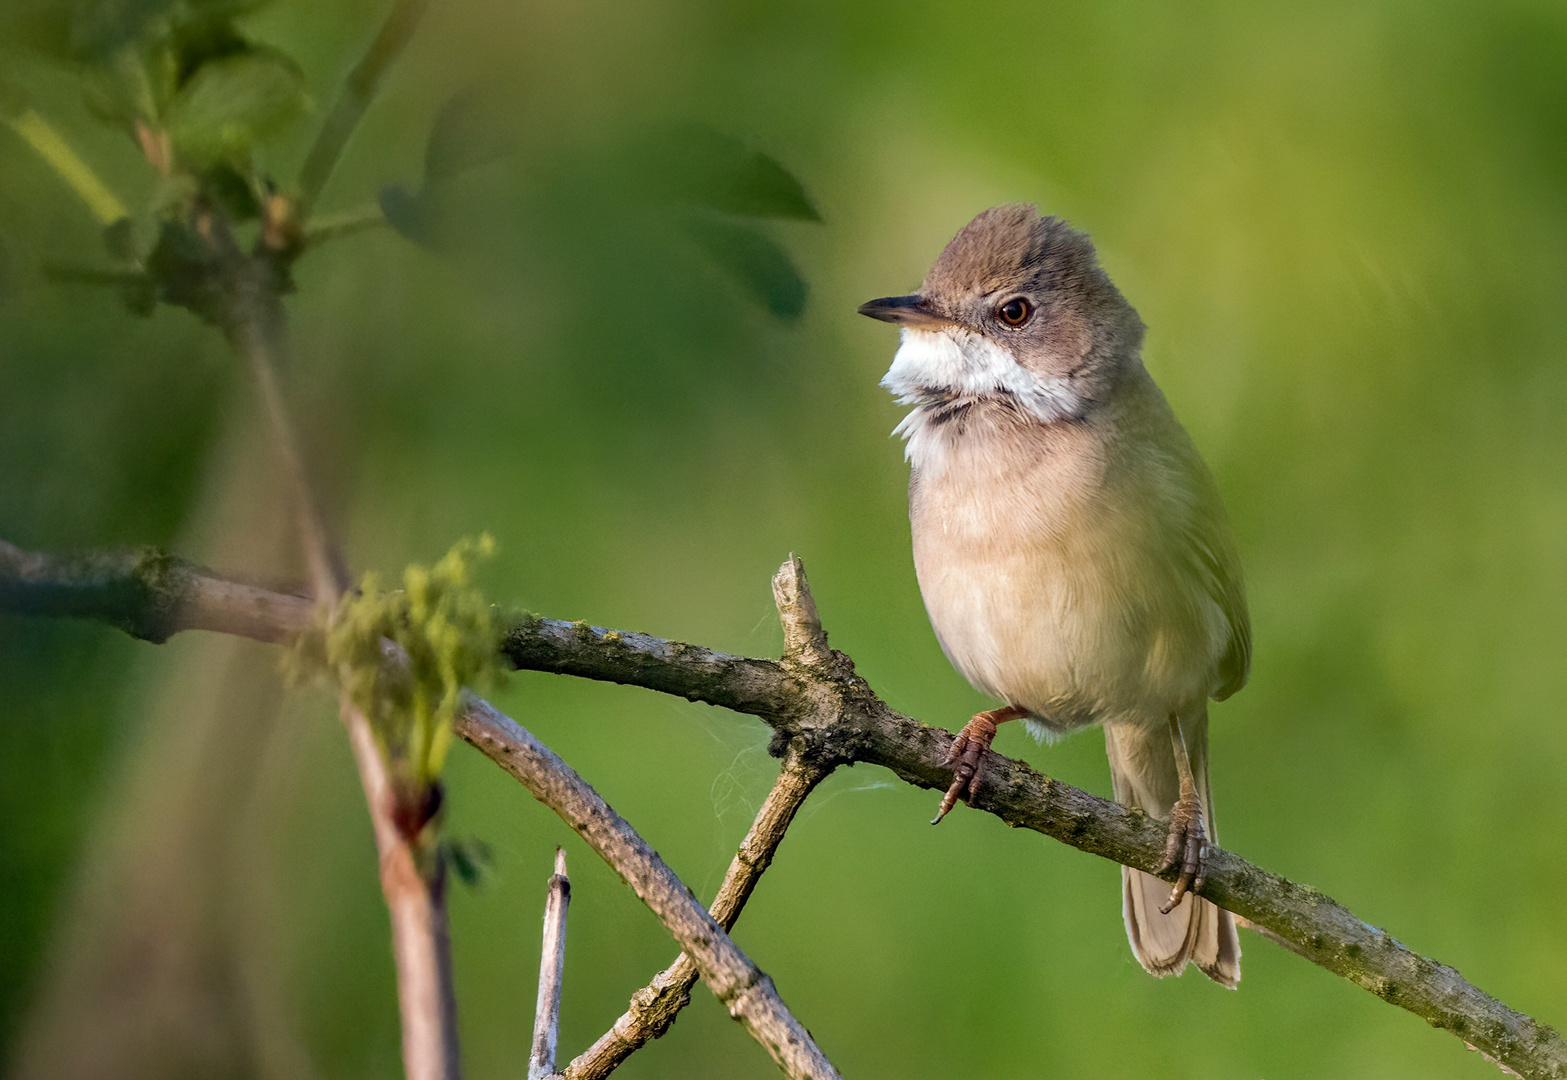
{"x":1211,"y":550}
{"x":1193,"y":527}
{"x":1205,"y":541}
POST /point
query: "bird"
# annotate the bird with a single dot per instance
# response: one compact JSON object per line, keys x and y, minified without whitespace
{"x":1071,"y":547}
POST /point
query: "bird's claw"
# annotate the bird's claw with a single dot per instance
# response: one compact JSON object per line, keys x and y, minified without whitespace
{"x":968,"y":755}
{"x":1187,"y":848}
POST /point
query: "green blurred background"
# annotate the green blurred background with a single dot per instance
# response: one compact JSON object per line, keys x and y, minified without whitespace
{"x":1346,"y":227}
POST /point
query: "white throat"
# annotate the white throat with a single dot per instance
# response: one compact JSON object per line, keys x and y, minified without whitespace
{"x":932,"y":367}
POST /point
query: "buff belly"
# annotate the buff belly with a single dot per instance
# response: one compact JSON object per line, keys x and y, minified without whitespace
{"x":1076,"y":616}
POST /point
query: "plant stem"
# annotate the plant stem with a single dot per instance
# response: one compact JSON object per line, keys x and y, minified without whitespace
{"x":552,"y":969}
{"x":327,"y":227}
{"x":358,"y":91}
{"x":413,"y":871}
{"x":38,"y":133}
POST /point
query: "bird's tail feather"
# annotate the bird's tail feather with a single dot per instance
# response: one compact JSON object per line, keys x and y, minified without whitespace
{"x":1144,"y":776}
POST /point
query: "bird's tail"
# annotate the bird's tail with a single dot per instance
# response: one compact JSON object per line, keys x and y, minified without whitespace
{"x":1142,"y":770}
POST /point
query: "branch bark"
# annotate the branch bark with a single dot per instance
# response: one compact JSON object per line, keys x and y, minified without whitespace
{"x":154,"y":596}
{"x":744,"y":990}
{"x":552,"y":969}
{"x":827,"y":708}
{"x":654,"y":1008}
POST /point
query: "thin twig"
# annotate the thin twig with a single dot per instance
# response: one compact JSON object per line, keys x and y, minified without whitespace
{"x":836,"y":714}
{"x":358,"y":91}
{"x":654,"y":1008}
{"x":415,"y":894}
{"x":552,"y":970}
{"x":257,"y":329}
{"x":413,"y":875}
{"x":327,"y":227}
{"x":748,"y":994}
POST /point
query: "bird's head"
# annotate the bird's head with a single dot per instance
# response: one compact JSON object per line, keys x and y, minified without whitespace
{"x":1016,"y":307}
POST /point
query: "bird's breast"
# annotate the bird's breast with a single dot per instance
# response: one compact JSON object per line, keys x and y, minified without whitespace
{"x":1045,"y":580}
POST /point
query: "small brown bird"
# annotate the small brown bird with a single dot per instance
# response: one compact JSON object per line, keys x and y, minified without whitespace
{"x":1071,"y":548}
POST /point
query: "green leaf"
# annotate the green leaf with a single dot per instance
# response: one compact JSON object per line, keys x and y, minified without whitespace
{"x":119,"y":89}
{"x":471,"y":860}
{"x":100,"y":28}
{"x":706,"y":168}
{"x":230,"y":103}
{"x":415,"y":216}
{"x":93,"y":30}
{"x":233,"y":191}
{"x":756,"y":263}
{"x":469,"y":131}
{"x":198,"y":41}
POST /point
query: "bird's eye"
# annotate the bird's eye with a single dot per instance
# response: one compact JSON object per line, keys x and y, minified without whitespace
{"x":1015,"y":312}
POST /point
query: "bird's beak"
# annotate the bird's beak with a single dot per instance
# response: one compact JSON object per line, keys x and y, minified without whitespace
{"x":912,"y":311}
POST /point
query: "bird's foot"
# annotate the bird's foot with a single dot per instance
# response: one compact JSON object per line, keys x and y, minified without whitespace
{"x":969,"y":755}
{"x":1186,"y":848}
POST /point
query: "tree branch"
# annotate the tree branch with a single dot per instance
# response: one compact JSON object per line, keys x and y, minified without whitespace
{"x":654,"y":1008}
{"x":552,"y":969}
{"x":831,"y":712}
{"x":155,"y":596}
{"x":147,"y":594}
{"x":748,"y":994}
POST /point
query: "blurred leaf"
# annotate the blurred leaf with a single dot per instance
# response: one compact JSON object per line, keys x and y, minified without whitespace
{"x":183,"y":268}
{"x":231,"y":102}
{"x":120,"y":239}
{"x":120,"y":89}
{"x":94,"y":30}
{"x":706,"y":168}
{"x":471,"y":860}
{"x":132,"y":239}
{"x":754,"y":260}
{"x":100,"y":28}
{"x":413,"y":215}
{"x":469,"y":131}
{"x":197,"y":41}
{"x":232,"y":191}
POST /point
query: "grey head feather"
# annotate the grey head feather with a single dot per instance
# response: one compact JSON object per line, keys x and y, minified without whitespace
{"x":1081,"y":328}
